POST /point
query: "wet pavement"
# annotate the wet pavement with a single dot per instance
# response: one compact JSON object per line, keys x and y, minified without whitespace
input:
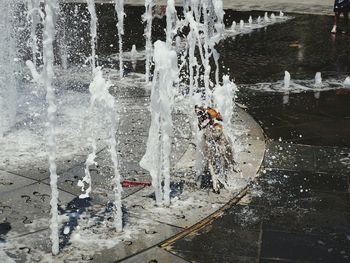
{"x":298,"y":210}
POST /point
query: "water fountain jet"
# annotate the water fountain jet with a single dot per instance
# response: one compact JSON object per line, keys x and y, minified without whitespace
{"x":286,"y":87}
{"x":8,"y":83}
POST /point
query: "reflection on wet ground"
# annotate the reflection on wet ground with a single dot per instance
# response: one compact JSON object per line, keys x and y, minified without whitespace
{"x":302,"y":46}
{"x":298,"y":210}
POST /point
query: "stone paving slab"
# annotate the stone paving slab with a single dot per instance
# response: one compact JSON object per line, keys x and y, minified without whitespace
{"x":9,"y":182}
{"x":155,"y":254}
{"x":27,"y":209}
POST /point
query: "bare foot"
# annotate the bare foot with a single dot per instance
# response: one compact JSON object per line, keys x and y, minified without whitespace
{"x":334,"y":29}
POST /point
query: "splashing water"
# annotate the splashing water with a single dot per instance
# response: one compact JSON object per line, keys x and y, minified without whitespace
{"x":93,"y":30}
{"x":347,"y":83}
{"x":170,"y":22}
{"x":157,"y":157}
{"x":250,"y":20}
{"x":34,"y":15}
{"x":273,"y":17}
{"x":241,"y":24}
{"x":8,"y":83}
{"x":133,"y":55}
{"x":148,"y":18}
{"x":92,"y":141}
{"x":318,"y":84}
{"x":119,"y":8}
{"x":266,"y":17}
{"x":51,"y":9}
{"x":286,"y":80}
{"x":259,"y":20}
{"x":286,"y":87}
{"x":318,"y":79}
{"x":224,"y":98}
{"x":233,"y":26}
{"x":100,"y":96}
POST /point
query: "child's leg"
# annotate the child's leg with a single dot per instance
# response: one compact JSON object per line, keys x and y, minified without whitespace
{"x":336,"y":20}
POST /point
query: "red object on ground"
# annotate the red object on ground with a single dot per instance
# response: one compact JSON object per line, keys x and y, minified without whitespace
{"x":342,"y":91}
{"x":133,"y":184}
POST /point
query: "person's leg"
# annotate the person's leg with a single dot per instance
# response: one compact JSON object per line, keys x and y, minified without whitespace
{"x":346,"y":18}
{"x":336,"y":20}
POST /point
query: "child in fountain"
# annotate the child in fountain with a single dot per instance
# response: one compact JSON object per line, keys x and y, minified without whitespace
{"x":218,"y":151}
{"x":341,"y":6}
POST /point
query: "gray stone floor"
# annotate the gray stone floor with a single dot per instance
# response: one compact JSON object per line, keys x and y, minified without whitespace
{"x":25,"y":193}
{"x":297,"y":211}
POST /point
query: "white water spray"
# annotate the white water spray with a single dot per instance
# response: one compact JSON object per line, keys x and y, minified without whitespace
{"x":250,"y":20}
{"x":241,"y":25}
{"x":224,"y":98}
{"x":51,"y":8}
{"x":93,"y":30}
{"x":119,"y":8}
{"x":286,"y":87}
{"x":34,"y":16}
{"x":286,"y":80}
{"x":92,"y":140}
{"x":100,"y":96}
{"x":148,"y":18}
{"x":266,"y":18}
{"x":157,"y":157}
{"x":318,"y":79}
{"x":233,"y":26}
{"x":347,"y":83}
{"x":318,"y":84}
{"x":170,"y":22}
{"x":133,"y":55}
{"x":273,"y":17}
{"x":8,"y":90}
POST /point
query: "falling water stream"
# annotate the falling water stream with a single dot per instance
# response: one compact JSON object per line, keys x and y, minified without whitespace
{"x":8,"y":84}
{"x":51,"y":9}
{"x":119,"y":8}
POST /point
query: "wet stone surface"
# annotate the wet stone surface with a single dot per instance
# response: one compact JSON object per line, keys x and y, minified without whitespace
{"x":289,"y":215}
{"x":297,"y":211}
